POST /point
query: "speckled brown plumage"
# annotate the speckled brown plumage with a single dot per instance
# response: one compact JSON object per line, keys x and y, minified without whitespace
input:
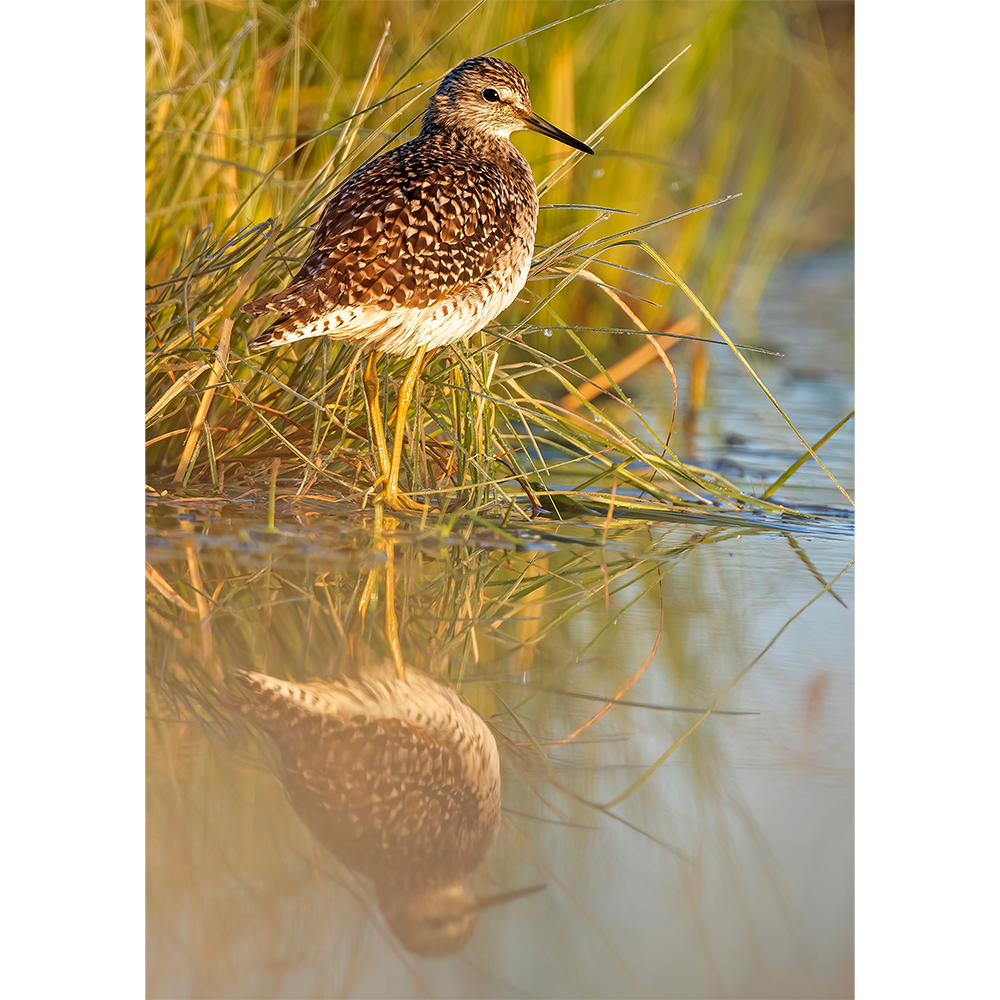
{"x":400,"y":780}
{"x":426,"y":244}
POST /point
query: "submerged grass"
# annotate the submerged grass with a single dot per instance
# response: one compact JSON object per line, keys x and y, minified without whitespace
{"x":255,"y":114}
{"x":583,"y":658}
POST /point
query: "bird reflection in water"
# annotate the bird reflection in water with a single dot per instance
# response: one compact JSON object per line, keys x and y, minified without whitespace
{"x":400,"y":780}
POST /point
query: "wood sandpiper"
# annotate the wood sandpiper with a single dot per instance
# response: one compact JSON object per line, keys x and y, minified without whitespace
{"x":400,"y":780}
{"x":424,"y":245}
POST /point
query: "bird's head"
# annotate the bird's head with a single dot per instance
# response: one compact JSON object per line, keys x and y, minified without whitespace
{"x":490,"y":97}
{"x":441,"y":921}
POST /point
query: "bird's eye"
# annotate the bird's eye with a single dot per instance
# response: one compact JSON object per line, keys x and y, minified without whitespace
{"x":489,"y":94}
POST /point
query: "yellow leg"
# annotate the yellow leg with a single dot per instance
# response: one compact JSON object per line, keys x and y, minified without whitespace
{"x":389,"y":468}
{"x":369,"y":380}
{"x":391,"y":625}
{"x":390,"y":490}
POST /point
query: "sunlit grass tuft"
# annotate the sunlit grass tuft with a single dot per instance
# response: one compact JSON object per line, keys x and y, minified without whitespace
{"x":254,"y":120}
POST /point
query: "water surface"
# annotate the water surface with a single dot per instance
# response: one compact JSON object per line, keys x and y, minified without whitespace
{"x":683,"y":853}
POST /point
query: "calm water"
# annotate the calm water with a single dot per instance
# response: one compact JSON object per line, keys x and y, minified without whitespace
{"x":681,"y":854}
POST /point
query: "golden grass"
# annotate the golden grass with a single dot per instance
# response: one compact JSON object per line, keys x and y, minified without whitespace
{"x":253,"y":120}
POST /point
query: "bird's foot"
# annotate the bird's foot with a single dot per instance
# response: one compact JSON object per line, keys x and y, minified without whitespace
{"x":392,"y":499}
{"x":401,"y":502}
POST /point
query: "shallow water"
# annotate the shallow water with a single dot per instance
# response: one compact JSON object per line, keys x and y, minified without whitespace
{"x":682,"y":853}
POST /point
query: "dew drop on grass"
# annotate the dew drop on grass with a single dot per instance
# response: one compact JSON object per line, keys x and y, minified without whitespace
{"x":548,"y":333}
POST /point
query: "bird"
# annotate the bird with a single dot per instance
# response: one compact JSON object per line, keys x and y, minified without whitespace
{"x":400,"y":781}
{"x":424,"y":245}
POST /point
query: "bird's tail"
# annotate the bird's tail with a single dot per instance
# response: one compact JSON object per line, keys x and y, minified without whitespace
{"x":274,"y":336}
{"x":319,"y":697}
{"x":277,"y":333}
{"x":269,"y":688}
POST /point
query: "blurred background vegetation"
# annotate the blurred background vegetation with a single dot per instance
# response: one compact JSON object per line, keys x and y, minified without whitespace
{"x":255,"y":112}
{"x":249,"y":118}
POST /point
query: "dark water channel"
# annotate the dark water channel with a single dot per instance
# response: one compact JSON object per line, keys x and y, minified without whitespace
{"x":668,"y":712}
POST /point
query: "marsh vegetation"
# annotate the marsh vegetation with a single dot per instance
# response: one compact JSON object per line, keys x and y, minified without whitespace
{"x":627,"y":569}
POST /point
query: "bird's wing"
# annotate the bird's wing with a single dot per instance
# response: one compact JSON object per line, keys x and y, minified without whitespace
{"x":405,"y":230}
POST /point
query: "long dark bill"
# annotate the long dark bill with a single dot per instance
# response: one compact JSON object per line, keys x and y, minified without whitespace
{"x":537,"y":124}
{"x":504,"y":897}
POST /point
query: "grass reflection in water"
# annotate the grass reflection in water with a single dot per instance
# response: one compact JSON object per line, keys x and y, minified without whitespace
{"x":582,"y":663}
